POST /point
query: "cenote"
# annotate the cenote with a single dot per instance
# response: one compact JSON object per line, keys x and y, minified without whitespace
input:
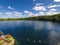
{"x":32,"y":32}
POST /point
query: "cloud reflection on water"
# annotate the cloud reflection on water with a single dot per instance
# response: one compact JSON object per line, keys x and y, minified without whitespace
{"x":38,"y":25}
{"x":43,"y":25}
{"x":54,"y":38}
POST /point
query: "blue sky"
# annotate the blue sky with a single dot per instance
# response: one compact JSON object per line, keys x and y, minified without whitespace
{"x":28,"y":8}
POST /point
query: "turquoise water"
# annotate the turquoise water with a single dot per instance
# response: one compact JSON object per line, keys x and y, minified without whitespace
{"x":32,"y":32}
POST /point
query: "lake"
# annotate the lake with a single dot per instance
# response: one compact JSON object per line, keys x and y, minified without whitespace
{"x":32,"y":32}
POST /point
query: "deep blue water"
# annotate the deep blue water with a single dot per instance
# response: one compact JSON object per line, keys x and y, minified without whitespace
{"x":30,"y":32}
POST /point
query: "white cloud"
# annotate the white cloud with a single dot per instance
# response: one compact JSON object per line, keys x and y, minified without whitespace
{"x":52,"y":9}
{"x":28,"y":13}
{"x":55,"y":13}
{"x":37,"y":4}
{"x":19,"y":14}
{"x":13,"y":14}
{"x":41,"y":13}
{"x":52,"y":13}
{"x":39,"y":8}
{"x":48,"y":13}
{"x":53,"y":6}
{"x":34,"y":0}
{"x":36,"y":14}
{"x":9,"y":7}
{"x":8,"y":13}
{"x":56,"y":0}
{"x":1,"y":13}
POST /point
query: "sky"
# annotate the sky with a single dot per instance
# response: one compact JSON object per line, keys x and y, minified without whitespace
{"x":28,"y":8}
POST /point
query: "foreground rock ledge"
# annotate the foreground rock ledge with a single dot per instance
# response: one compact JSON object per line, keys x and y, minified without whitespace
{"x":6,"y":40}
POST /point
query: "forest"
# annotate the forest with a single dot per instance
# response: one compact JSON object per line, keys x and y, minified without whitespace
{"x":55,"y":17}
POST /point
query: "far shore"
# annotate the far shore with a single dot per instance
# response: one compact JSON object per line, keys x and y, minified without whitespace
{"x":53,"y":18}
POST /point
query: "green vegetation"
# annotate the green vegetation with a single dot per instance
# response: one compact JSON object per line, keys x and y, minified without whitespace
{"x":16,"y":42}
{"x":45,"y":18}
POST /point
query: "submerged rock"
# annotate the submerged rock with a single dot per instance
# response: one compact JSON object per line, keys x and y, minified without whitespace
{"x":1,"y":33}
{"x":28,"y":39}
{"x":34,"y":41}
{"x":39,"y":41}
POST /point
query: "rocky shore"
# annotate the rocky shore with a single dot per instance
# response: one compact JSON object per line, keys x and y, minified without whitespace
{"x":6,"y":40}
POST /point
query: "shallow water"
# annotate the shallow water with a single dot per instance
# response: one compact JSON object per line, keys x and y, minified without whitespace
{"x":32,"y":32}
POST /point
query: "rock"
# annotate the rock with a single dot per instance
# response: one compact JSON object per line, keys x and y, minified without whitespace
{"x":28,"y":39}
{"x":39,"y":41}
{"x":8,"y":40}
{"x":34,"y":41}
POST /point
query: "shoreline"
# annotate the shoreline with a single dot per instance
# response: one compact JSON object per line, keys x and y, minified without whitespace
{"x":52,"y":18}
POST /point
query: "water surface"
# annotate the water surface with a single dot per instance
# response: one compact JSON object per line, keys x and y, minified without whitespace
{"x":32,"y":32}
